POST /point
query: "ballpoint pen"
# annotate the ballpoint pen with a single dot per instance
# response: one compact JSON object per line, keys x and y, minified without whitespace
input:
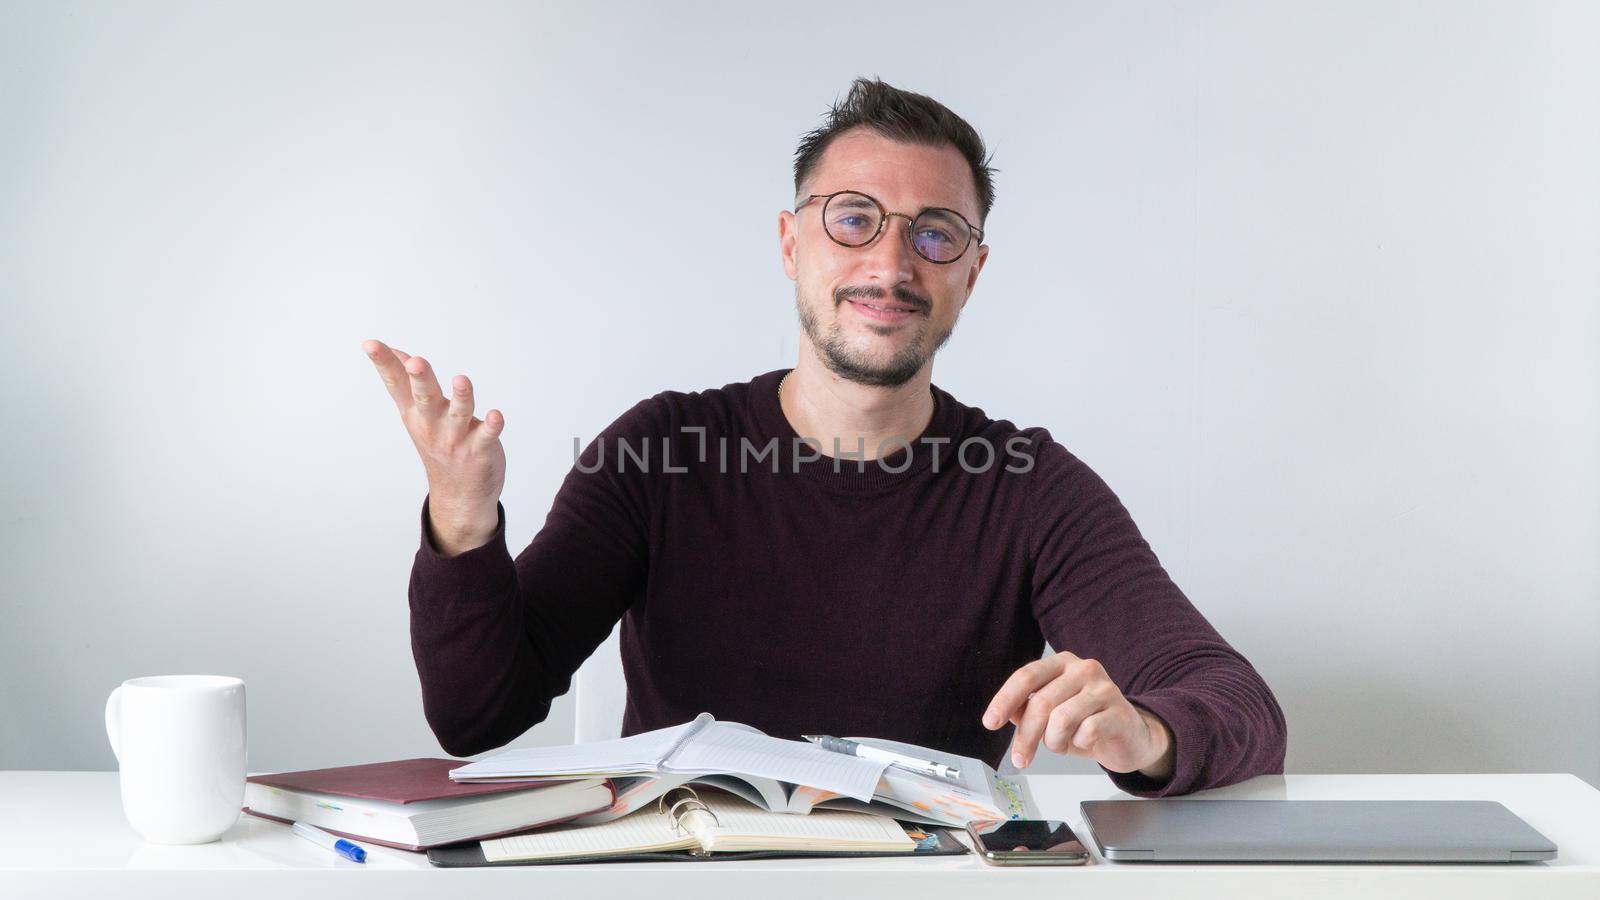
{"x":900,"y":760}
{"x":347,"y":849}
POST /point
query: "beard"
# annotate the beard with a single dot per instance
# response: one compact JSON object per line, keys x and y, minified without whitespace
{"x":853,"y":364}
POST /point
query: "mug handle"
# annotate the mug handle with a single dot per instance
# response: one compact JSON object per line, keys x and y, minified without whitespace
{"x":114,"y":720}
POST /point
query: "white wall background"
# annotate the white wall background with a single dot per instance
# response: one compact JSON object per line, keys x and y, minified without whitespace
{"x":1315,"y":287}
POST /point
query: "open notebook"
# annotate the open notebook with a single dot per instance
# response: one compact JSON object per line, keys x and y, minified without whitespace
{"x":701,"y":825}
{"x":703,"y":746}
{"x":774,"y":774}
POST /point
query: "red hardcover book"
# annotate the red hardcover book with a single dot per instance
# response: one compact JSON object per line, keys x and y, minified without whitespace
{"x":406,"y":803}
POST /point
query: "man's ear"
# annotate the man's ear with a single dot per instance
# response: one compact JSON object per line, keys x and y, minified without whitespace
{"x":787,"y":241}
{"x":972,"y":273}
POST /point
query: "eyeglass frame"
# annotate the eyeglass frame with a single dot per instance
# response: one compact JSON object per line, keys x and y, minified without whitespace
{"x":884,"y":215}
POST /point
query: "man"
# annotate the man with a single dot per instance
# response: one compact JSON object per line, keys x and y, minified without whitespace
{"x":840,"y":548}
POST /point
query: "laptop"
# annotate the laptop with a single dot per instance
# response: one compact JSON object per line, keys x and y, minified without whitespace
{"x":1174,"y":830}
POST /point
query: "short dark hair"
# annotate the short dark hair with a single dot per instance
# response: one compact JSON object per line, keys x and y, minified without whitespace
{"x":901,"y":116}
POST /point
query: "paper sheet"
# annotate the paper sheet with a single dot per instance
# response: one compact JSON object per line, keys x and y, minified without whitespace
{"x":734,"y":816}
{"x":718,"y":748}
{"x":715,"y":747}
{"x":646,"y":829}
{"x":638,"y":753}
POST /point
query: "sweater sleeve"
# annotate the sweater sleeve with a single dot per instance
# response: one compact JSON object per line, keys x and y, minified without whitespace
{"x":1099,"y":592}
{"x":495,"y":640}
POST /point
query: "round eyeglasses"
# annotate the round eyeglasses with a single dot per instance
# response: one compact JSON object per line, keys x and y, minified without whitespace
{"x":854,"y":219}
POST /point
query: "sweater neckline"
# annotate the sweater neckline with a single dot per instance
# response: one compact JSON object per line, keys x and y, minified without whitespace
{"x":938,"y":440}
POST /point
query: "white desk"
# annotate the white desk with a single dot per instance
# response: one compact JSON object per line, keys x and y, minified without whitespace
{"x":62,"y":835}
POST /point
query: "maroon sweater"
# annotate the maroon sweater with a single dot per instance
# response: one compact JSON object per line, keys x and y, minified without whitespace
{"x":833,"y":596}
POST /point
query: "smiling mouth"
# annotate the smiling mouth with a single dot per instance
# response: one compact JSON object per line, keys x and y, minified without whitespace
{"x":882,"y":308}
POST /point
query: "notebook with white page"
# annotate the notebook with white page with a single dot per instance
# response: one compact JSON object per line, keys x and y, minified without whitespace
{"x":701,"y":747}
{"x":731,"y":756}
{"x":705,"y":824}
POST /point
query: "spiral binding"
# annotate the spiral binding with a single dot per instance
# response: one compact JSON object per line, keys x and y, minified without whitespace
{"x":693,"y":803}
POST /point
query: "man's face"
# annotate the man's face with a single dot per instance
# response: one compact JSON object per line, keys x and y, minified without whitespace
{"x":835,"y":286}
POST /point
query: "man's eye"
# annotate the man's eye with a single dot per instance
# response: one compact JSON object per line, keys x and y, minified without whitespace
{"x":939,"y":235}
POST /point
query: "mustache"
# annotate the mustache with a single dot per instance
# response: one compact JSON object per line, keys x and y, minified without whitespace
{"x":901,"y":293}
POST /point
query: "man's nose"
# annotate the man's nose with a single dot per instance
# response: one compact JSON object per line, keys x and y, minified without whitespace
{"x":890,"y":255}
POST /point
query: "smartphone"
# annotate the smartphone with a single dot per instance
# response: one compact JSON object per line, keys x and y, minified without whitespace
{"x":1028,"y":842}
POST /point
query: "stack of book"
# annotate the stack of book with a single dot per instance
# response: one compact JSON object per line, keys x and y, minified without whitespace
{"x":413,"y":804}
{"x":636,"y":798}
{"x":777,"y":775}
{"x":767,"y":797}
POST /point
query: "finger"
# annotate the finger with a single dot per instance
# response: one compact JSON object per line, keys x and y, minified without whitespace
{"x":493,"y":424}
{"x":1069,"y":716}
{"x":1037,"y":715}
{"x":1013,"y":695}
{"x":460,"y":414}
{"x":425,"y":391}
{"x":391,"y":371}
{"x":1092,"y":730}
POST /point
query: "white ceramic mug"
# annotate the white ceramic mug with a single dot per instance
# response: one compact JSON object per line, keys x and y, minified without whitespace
{"x":179,"y":741}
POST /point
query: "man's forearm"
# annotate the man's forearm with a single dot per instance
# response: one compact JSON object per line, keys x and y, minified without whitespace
{"x":457,"y":528}
{"x":484,"y":680}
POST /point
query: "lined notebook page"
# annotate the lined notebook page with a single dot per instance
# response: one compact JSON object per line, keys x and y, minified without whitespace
{"x":641,"y":831}
{"x":720,"y":748}
{"x":738,"y":825}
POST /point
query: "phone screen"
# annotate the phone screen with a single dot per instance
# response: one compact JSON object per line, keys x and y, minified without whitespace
{"x":1032,"y":836}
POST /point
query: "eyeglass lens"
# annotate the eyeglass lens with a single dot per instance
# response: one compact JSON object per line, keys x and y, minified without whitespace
{"x":852,"y":219}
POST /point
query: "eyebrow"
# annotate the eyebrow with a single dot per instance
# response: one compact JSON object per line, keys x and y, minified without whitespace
{"x":853,"y":203}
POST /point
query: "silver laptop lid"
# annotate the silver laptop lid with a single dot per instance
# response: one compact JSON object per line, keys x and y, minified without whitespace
{"x":1178,"y":830}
